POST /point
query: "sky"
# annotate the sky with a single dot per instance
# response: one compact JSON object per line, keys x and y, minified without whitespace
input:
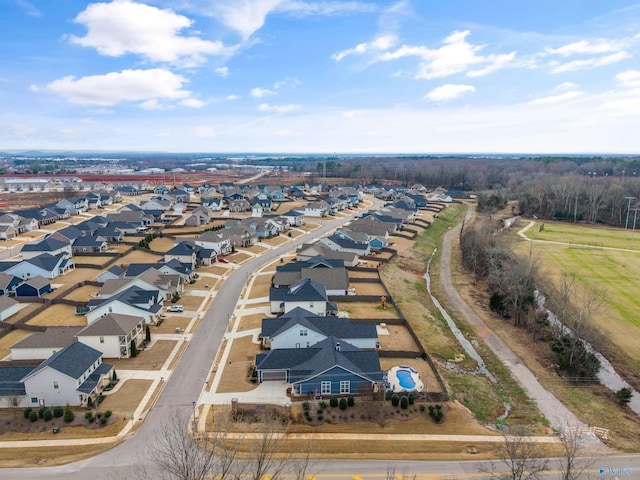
{"x":334,"y":76}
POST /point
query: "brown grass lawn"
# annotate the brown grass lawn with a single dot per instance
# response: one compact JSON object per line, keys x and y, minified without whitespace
{"x":367,"y":310}
{"x":50,"y":456}
{"x":170,"y":324}
{"x":77,"y":276}
{"x":121,"y":248}
{"x":356,"y":274}
{"x":261,"y":290}
{"x":235,"y":375}
{"x":249,"y":322}
{"x":99,"y":260}
{"x":238,"y":257}
{"x":295,"y":233}
{"x":59,"y":316}
{"x":9,"y":339}
{"x":399,"y":338}
{"x":426,"y":374}
{"x":256,"y":249}
{"x":279,"y":240}
{"x":127,"y":398}
{"x":138,"y":256}
{"x":216,"y":270}
{"x":82,"y":294}
{"x":23,"y":312}
{"x":368,"y":288}
{"x":190,"y":302}
{"x":308,"y":226}
{"x":161,"y":244}
{"x":147,"y":358}
{"x":199,"y":284}
{"x":400,"y":244}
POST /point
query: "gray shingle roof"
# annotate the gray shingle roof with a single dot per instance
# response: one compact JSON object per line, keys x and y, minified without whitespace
{"x":73,"y":360}
{"x":90,"y":383}
{"x":111,"y":324}
{"x":52,"y":337}
{"x":48,"y":244}
{"x":11,"y":380}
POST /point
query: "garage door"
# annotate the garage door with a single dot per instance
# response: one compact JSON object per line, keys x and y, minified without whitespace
{"x":280,"y":376}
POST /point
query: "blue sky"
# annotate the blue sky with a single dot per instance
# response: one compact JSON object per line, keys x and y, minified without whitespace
{"x":302,"y":76}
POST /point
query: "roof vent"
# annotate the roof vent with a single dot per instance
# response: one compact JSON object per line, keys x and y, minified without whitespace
{"x":337,"y":346}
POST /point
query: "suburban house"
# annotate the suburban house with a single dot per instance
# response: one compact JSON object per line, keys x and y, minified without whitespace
{"x":330,"y":273}
{"x":50,"y":245}
{"x":41,"y":345}
{"x":330,"y":367}
{"x":306,"y":293}
{"x":294,"y":218}
{"x":89,"y":244}
{"x":112,"y":272}
{"x":8,"y":307}
{"x":44,"y":265}
{"x":239,"y":205}
{"x":8,"y":283}
{"x":300,"y":328}
{"x":7,"y":232}
{"x":112,"y":334}
{"x":34,"y":287}
{"x":133,"y":301}
{"x":339,"y":243}
{"x":70,"y":376}
{"x":316,"y":209}
{"x":150,"y":279}
{"x":216,"y":241}
{"x":309,"y":250}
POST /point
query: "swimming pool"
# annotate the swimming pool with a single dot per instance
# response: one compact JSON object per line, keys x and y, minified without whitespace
{"x":404,"y":378}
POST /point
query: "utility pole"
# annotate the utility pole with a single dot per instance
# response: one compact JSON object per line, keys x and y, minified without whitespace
{"x":635,"y":213}
{"x":533,"y":232}
{"x":575,"y":210}
{"x":626,"y":224}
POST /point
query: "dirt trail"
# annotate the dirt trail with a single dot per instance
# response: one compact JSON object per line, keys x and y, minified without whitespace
{"x":557,"y":414}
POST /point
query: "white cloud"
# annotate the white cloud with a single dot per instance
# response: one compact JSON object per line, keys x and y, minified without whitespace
{"x":151,"y":104}
{"x":566,"y":86}
{"x":378,"y":45}
{"x":265,"y":107}
{"x":349,"y":114}
{"x":116,"y":87}
{"x":261,"y":92}
{"x":192,"y":103}
{"x":123,"y":26}
{"x":283,"y":132}
{"x":551,"y":99}
{"x":222,"y":71}
{"x":448,"y":92}
{"x":291,"y":82}
{"x":28,"y":8}
{"x":330,"y":8}
{"x":497,"y":62}
{"x":232,"y":96}
{"x":630,"y":78}
{"x":586,"y":47}
{"x":586,"y":63}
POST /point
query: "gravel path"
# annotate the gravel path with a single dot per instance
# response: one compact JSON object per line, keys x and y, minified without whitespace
{"x":557,"y":414}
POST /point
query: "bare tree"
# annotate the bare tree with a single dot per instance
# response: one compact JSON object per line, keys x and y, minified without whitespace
{"x":520,"y":455}
{"x":574,"y":465}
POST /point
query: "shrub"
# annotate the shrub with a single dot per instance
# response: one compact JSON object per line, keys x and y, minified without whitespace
{"x":333,"y":401}
{"x":103,"y":420}
{"x":69,"y":416}
{"x":343,"y":404}
{"x":114,"y":377}
{"x":107,"y":414}
{"x":58,"y":412}
{"x":404,"y":402}
{"x":88,"y":415}
{"x":624,"y":395}
{"x":319,"y":411}
{"x":435,"y":412}
{"x":411,"y":398}
{"x":351,"y":401}
{"x":320,"y":418}
{"x":47,"y":415}
{"x":27,"y":411}
{"x":306,"y":406}
{"x":323,"y":404}
{"x":89,"y":403}
{"x":395,"y":399}
{"x":33,"y":416}
{"x":422,"y":408}
{"x":41,"y":411}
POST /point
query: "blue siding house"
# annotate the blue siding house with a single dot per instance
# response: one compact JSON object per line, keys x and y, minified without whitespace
{"x":330,"y":367}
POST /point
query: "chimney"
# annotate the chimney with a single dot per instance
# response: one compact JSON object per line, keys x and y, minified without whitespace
{"x":337,"y":346}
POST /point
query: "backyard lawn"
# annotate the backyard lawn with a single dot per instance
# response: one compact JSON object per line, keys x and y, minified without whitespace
{"x":59,"y":315}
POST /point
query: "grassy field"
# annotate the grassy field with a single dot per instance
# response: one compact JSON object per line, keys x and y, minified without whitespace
{"x":615,"y":271}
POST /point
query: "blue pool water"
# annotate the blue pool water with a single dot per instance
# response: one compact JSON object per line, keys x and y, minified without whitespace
{"x":405,"y":379}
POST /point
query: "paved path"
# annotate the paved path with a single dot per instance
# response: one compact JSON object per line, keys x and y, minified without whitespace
{"x":558,"y":415}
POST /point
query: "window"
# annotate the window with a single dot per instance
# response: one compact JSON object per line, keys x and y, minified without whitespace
{"x":310,"y":304}
{"x":325,"y":388}
{"x":56,"y":385}
{"x":345,"y":387}
{"x":34,"y":400}
{"x":303,"y":333}
{"x":110,"y":309}
{"x":101,"y":339}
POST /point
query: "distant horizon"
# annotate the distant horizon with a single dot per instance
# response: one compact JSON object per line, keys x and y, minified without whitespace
{"x":374,"y":77}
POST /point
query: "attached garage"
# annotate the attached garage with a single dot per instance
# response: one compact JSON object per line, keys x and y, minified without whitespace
{"x":273,"y":376}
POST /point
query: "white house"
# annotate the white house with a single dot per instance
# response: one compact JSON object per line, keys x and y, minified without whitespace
{"x":69,"y":376}
{"x":112,"y":334}
{"x":41,"y":345}
{"x":215,"y":241}
{"x":133,"y":301}
{"x":8,"y":307}
{"x":306,"y":293}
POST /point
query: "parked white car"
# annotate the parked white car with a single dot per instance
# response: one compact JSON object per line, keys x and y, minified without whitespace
{"x":175,"y":308}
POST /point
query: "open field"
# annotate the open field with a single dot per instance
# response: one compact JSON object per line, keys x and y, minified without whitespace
{"x":583,"y":234}
{"x":59,"y":315}
{"x":9,"y":339}
{"x":615,"y":271}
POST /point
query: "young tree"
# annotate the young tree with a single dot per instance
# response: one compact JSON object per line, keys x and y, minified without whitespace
{"x":523,"y":457}
{"x":147,"y":334}
{"x":134,"y":349}
{"x":624,"y":395}
{"x":574,"y":464}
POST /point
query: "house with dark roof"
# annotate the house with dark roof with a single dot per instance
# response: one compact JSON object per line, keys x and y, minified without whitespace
{"x":214,"y":241}
{"x":112,"y":334}
{"x":87,"y":244}
{"x":300,"y":328}
{"x":330,"y":273}
{"x":306,"y":293}
{"x":44,"y":265}
{"x":44,"y":216}
{"x":34,"y":287}
{"x":330,"y":367}
{"x":71,"y":376}
{"x":8,"y":307}
{"x":293,"y":218}
{"x":7,"y":232}
{"x":309,"y":250}
{"x":50,"y":245}
{"x":41,"y":345}
{"x":150,"y":279}
{"x":133,"y":301}
{"x":114,"y":271}
{"x":341,"y":244}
